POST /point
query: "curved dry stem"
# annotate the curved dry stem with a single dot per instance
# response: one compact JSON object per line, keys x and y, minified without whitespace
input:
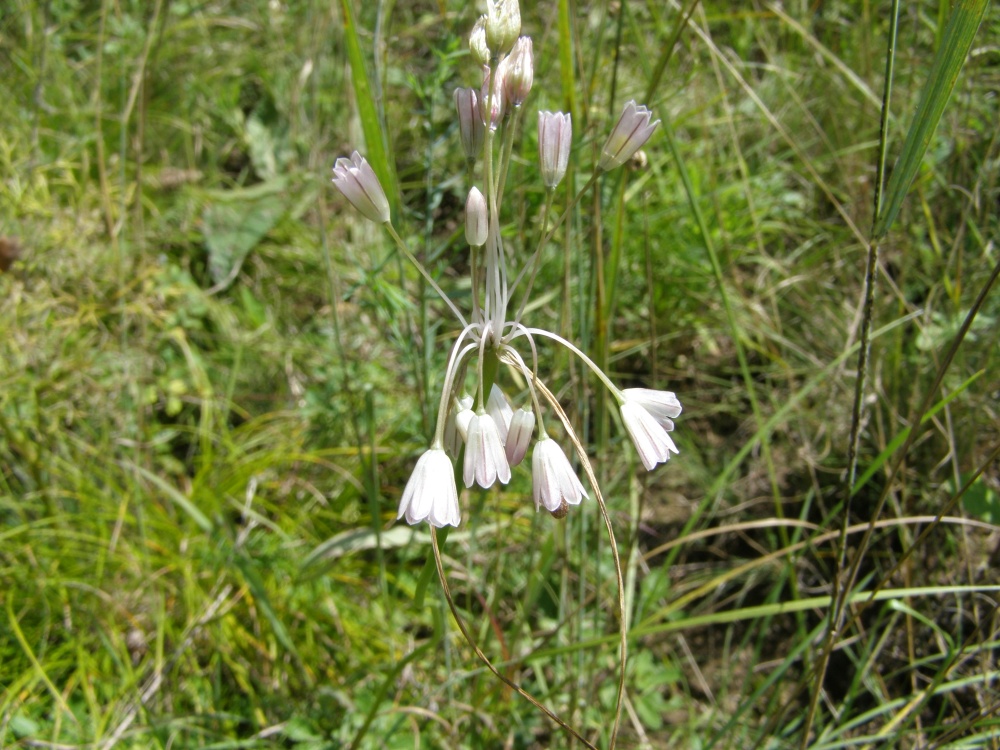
{"x":484,"y":658}
{"x":581,"y":452}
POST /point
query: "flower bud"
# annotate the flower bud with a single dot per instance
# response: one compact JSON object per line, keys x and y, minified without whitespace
{"x":519,"y":73}
{"x":522,"y":425}
{"x":632,"y":130}
{"x":477,"y":42}
{"x":470,"y":122}
{"x":454,"y":435}
{"x":495,"y":103}
{"x":476,"y":224}
{"x":555,"y":133}
{"x":503,"y":25}
{"x":356,"y":179}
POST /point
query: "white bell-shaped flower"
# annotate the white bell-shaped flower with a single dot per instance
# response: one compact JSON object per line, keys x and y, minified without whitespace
{"x":651,"y":440}
{"x":485,"y":460}
{"x":431,"y":495}
{"x":553,"y":480}
{"x":663,"y":406}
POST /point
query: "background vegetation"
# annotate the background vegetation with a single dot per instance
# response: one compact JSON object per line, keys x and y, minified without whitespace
{"x":215,"y":378}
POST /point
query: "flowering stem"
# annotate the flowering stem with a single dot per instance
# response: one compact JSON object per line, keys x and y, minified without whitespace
{"x":457,"y":355}
{"x":510,"y":124}
{"x":530,"y":377}
{"x":423,"y":272}
{"x":536,"y":260}
{"x":544,"y":241}
{"x":522,"y":331}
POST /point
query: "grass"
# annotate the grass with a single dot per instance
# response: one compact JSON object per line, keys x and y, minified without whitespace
{"x":215,"y":379}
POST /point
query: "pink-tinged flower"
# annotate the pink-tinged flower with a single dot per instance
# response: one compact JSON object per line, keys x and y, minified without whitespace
{"x":492,"y":106}
{"x":356,"y":179}
{"x":519,"y":73}
{"x":500,"y":409}
{"x":651,"y":440}
{"x":633,"y":130}
{"x":555,"y":135}
{"x":485,"y":460}
{"x":522,"y":425}
{"x":476,"y":224}
{"x":431,"y":495}
{"x":470,"y":122}
{"x":553,"y":480}
{"x":663,"y":406}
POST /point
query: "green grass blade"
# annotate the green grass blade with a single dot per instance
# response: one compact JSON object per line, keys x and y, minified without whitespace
{"x":905,"y":432}
{"x":948,"y":61}
{"x":375,"y":142}
{"x":179,"y":499}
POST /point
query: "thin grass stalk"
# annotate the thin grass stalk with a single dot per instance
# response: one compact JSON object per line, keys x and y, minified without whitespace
{"x":668,"y":49}
{"x":734,"y":328}
{"x":460,"y":621}
{"x":588,"y":468}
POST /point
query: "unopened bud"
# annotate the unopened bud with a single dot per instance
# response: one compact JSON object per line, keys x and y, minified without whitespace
{"x":631,"y":132}
{"x":519,"y":73}
{"x":476,"y":223}
{"x":356,"y":179}
{"x":477,"y":42}
{"x":503,"y":25}
{"x":470,"y":122}
{"x":522,"y":425}
{"x":555,"y":134}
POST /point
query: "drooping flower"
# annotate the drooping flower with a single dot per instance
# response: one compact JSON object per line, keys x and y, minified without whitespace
{"x":555,"y":135}
{"x":430,"y":494}
{"x":651,"y":440}
{"x":485,"y":460}
{"x":663,"y":406}
{"x":500,"y":409}
{"x":632,"y":130}
{"x":553,"y":480}
{"x":522,"y":425}
{"x":356,"y":179}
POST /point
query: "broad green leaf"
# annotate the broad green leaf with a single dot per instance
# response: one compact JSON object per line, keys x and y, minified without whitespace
{"x":948,"y":62}
{"x":235,"y":226}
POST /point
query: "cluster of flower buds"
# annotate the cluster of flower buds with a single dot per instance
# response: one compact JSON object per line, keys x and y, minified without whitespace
{"x":494,"y":435}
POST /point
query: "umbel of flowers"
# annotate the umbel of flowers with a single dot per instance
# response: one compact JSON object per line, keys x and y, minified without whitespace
{"x":495,"y":435}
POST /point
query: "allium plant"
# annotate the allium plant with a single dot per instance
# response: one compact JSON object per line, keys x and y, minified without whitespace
{"x":494,"y":434}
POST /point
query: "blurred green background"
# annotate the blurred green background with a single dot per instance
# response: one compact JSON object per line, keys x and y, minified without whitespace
{"x":215,"y":378}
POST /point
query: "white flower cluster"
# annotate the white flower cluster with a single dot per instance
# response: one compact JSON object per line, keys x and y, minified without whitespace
{"x":494,"y":435}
